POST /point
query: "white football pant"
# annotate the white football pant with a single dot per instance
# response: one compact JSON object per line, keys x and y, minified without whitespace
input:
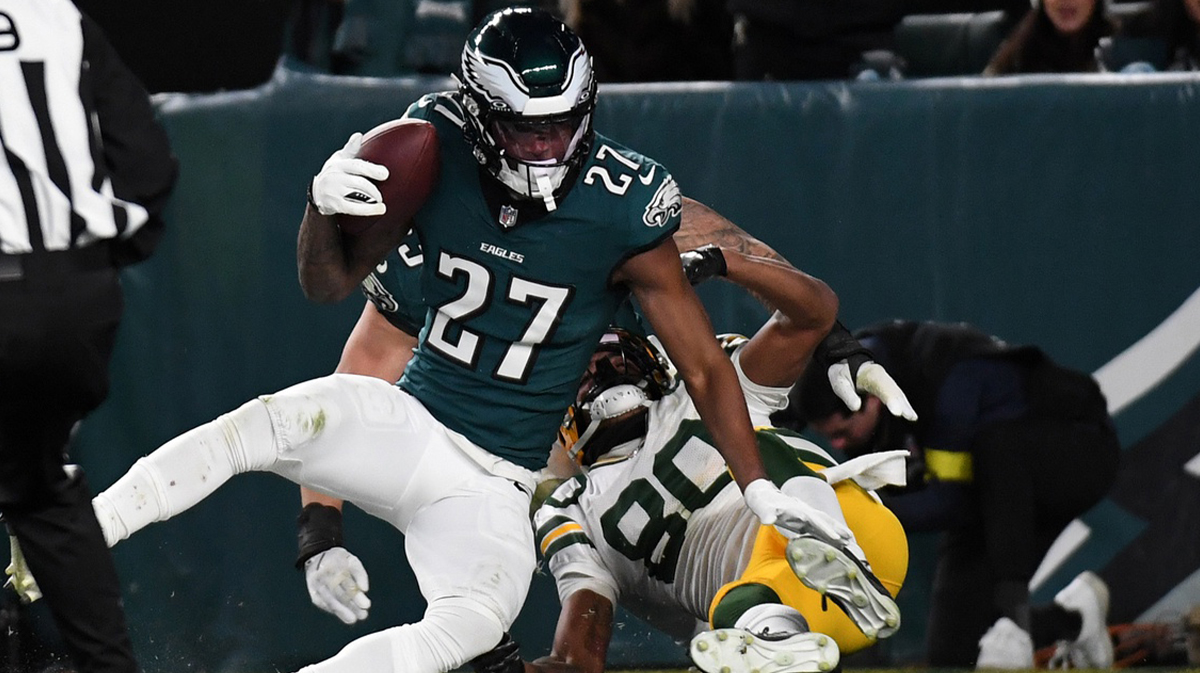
{"x":467,"y":532}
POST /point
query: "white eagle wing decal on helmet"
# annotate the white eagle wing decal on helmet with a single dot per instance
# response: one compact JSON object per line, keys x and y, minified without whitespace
{"x":502,"y":85}
{"x":496,"y":80}
{"x":577,"y":90}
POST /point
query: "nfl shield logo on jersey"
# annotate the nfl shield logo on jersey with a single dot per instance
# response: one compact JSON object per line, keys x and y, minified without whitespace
{"x":508,"y":217}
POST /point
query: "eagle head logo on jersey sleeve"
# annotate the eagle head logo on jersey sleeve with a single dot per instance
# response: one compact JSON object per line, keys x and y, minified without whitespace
{"x":528,"y":92}
{"x":666,"y":204}
{"x":377,"y":292}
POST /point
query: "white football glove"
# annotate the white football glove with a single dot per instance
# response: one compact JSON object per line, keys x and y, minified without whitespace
{"x":872,"y":379}
{"x":337,"y":583}
{"x":792,"y":516}
{"x":19,"y":576}
{"x":344,"y":184}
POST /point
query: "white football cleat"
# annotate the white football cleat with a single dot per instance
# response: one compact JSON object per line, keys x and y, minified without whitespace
{"x":738,"y":651}
{"x":1087,"y":594}
{"x":1005,"y":646}
{"x":832,"y":572}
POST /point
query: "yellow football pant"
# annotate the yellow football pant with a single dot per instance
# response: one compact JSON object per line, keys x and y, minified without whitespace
{"x":879,"y":534}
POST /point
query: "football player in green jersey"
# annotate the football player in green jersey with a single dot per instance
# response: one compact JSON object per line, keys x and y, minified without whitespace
{"x":348,"y":441}
{"x":448,"y":456}
{"x":511,"y":321}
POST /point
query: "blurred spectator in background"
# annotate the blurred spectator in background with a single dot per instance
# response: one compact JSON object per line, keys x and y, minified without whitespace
{"x":654,"y":40}
{"x":375,"y":38}
{"x":1008,"y":448}
{"x":1167,"y":38}
{"x":1056,"y":36}
{"x":311,"y":33}
{"x":386,"y":38}
{"x":1177,"y":22}
{"x":808,"y":39}
{"x":85,"y":175}
{"x":817,"y":39}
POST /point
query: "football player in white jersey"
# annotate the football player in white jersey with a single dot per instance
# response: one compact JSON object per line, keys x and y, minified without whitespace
{"x":656,"y":524}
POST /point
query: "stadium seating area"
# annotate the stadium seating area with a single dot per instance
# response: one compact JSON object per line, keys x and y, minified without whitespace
{"x":940,"y":45}
{"x":365,"y":42}
{"x":937,"y":45}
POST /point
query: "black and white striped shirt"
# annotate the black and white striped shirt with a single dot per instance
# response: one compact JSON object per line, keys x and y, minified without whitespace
{"x":83,"y":157}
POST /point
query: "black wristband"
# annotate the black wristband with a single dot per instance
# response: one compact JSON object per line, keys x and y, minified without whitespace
{"x":320,"y":529}
{"x":503,"y":658}
{"x":839,"y":345}
{"x":703,"y":263}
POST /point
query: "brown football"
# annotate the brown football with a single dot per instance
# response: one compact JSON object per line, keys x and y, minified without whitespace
{"x":409,"y":150}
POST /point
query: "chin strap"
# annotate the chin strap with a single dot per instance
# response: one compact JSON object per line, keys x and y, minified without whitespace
{"x":547,"y":192}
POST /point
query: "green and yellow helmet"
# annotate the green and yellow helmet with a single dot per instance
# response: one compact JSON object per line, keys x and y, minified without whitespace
{"x":627,"y":372}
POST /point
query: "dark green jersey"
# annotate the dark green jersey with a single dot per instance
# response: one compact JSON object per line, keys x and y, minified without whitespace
{"x":395,"y":287}
{"x":516,"y":311}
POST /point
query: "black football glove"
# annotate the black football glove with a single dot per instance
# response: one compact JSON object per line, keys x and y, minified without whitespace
{"x":852,"y":369}
{"x":840,"y":345}
{"x":503,"y":658}
{"x":703,"y":263}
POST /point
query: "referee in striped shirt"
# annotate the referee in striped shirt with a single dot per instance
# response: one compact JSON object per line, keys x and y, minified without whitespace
{"x":84,"y":176}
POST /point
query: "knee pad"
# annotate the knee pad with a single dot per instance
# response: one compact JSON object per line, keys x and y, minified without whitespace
{"x":460,"y":629}
{"x":453,"y":632}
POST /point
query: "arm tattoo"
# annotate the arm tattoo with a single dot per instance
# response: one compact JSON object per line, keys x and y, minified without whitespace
{"x":702,"y":225}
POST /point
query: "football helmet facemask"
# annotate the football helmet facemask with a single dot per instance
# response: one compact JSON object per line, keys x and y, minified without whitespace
{"x":627,"y":373}
{"x":730,"y":342}
{"x":528,"y":92}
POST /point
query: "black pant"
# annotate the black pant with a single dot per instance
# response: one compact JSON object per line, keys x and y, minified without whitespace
{"x":1032,"y":477}
{"x":58,"y":321}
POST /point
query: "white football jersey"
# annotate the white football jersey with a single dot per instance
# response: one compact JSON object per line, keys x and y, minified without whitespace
{"x":661,"y":530}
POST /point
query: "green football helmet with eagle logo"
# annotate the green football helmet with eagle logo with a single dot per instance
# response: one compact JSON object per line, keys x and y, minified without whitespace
{"x":528,"y":91}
